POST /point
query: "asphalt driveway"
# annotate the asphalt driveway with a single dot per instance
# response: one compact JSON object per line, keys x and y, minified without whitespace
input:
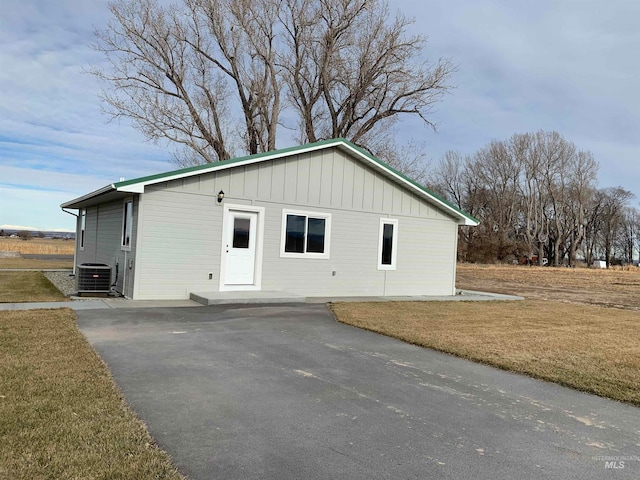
{"x":286,"y":392}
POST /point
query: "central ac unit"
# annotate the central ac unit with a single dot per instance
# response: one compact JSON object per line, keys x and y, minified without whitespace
{"x":94,"y":278}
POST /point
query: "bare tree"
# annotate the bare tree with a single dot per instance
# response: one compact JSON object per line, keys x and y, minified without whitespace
{"x":449,"y":179}
{"x":593,"y":225}
{"x":354,"y":71}
{"x":238,"y":37}
{"x":629,"y":234}
{"x":533,"y":194}
{"x":453,"y":180}
{"x":497,"y":173}
{"x":219,"y":76}
{"x":154,"y":80}
{"x":612,"y":217}
{"x":581,"y":188}
{"x":409,"y":159}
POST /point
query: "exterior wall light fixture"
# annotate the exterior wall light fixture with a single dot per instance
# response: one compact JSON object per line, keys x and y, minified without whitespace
{"x":220,"y":196}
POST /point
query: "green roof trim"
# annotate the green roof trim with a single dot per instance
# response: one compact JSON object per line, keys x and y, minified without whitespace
{"x":411,"y":181}
{"x":292,"y":150}
{"x":224,"y":163}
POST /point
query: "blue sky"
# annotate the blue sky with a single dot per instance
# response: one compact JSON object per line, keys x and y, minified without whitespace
{"x":570,"y":66}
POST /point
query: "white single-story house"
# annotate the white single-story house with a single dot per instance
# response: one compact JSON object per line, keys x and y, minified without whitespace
{"x":324,"y":219}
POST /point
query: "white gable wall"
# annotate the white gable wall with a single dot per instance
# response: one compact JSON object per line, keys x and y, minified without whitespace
{"x":181,"y":230}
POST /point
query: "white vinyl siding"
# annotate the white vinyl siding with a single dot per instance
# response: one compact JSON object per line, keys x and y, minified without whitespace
{"x":181,"y":234}
{"x":180,"y":241}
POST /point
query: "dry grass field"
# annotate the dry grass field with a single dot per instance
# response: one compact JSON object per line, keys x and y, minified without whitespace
{"x":35,"y":264}
{"x":61,"y":414}
{"x":18,"y":287}
{"x":37,"y":246}
{"x":610,"y":288}
{"x":577,"y":327}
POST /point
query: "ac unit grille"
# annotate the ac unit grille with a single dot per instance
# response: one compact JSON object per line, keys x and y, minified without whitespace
{"x":93,"y":278}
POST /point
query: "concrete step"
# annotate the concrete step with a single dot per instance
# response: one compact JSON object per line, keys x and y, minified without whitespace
{"x":221,"y":298}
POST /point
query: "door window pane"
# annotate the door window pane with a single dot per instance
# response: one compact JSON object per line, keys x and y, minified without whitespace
{"x":315,"y":235}
{"x":294,"y":236}
{"x":241,"y":232}
{"x":387,"y":243}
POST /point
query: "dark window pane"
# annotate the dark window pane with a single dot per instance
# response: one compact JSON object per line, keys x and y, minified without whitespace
{"x":315,"y":235}
{"x":126,"y":227}
{"x":83,"y":224}
{"x":241,"y":232}
{"x":387,"y":243}
{"x":294,"y":238}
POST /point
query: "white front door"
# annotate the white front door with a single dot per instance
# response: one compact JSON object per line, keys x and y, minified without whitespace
{"x":240,"y":247}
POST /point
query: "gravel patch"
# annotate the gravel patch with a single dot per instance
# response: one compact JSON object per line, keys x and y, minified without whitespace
{"x":63,"y":281}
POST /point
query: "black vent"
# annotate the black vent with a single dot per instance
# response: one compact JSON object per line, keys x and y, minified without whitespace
{"x":94,"y":278}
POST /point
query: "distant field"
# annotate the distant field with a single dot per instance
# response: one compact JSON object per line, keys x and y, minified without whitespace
{"x":608,"y":288}
{"x":37,"y":246}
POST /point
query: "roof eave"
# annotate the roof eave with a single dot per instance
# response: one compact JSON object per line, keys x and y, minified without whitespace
{"x":96,"y":193}
{"x":138,"y":185}
{"x":463,"y":219}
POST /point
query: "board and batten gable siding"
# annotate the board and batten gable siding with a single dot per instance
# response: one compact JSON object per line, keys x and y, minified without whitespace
{"x":181,"y":230}
{"x":103,"y":238}
{"x":325,"y":178}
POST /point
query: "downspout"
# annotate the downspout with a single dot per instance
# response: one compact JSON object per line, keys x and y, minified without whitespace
{"x":75,"y":249}
{"x":124,"y":276}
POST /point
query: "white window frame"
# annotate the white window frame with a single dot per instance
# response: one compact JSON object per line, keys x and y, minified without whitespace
{"x":327,"y":234}
{"x":127,"y":220}
{"x":394,"y":244}
{"x":83,"y":227}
